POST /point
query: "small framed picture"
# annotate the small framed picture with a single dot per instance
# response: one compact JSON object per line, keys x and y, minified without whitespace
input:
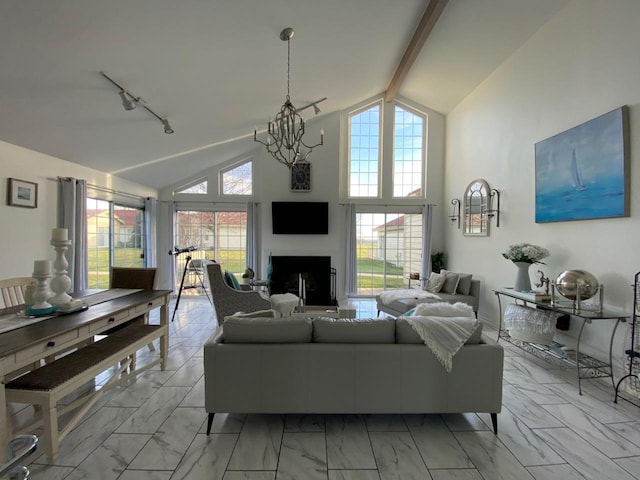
{"x":300,"y":176}
{"x":22,"y":193}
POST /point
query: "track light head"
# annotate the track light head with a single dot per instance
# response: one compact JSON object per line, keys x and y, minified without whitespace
{"x":127,"y":102}
{"x":316,"y":109}
{"x":167,"y":127}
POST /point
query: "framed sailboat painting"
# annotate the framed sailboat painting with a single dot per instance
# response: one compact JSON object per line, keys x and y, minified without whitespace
{"x":583,"y":173}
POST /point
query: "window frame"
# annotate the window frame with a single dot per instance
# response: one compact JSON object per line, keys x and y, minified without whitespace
{"x":387,"y":152}
{"x":416,"y":112}
{"x":231,"y":167}
{"x":350,"y":115}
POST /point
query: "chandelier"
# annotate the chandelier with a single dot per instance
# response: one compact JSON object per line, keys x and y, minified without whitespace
{"x":284,"y":134}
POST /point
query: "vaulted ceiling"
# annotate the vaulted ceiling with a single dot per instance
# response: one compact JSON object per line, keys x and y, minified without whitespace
{"x":217,"y":69}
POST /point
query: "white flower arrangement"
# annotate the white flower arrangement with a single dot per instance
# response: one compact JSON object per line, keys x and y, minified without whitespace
{"x":525,"y":252}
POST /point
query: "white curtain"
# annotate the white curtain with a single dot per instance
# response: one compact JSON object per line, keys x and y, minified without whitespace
{"x":427,"y":220}
{"x":166,"y":276}
{"x":72,"y":215}
{"x":252,"y":236}
{"x":150,"y":226}
{"x":351,"y":274}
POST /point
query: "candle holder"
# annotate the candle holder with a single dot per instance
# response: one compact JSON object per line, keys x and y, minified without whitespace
{"x":61,"y":283}
{"x":41,"y":294}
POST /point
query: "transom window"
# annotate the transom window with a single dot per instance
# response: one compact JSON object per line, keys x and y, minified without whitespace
{"x":386,"y":152}
{"x":199,"y":188}
{"x":237,"y":180}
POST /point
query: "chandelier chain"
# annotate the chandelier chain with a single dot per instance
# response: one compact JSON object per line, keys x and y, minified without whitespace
{"x":288,"y":67}
{"x":284,"y":133}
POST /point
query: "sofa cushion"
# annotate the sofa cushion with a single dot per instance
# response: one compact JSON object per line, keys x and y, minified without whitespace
{"x":435,"y":282}
{"x":444,"y":309}
{"x":450,"y":282}
{"x":267,"y":330}
{"x":356,"y":330}
{"x":464,"y":282}
{"x":406,"y":334}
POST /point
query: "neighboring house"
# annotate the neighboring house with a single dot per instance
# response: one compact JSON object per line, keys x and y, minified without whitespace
{"x":126,"y":229}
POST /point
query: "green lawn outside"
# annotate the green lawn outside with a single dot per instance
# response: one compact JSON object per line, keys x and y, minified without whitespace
{"x":365,"y":281}
{"x":234,"y":261}
{"x":377,"y":266}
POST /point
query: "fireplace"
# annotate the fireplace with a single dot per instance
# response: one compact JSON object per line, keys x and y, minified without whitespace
{"x":288,"y":271}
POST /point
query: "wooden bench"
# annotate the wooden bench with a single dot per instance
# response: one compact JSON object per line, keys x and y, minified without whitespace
{"x":46,"y":385}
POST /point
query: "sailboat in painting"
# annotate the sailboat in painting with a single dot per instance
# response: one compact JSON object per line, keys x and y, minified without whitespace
{"x":576,"y":173}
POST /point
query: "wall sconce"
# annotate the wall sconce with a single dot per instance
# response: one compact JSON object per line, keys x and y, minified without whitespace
{"x":494,"y":195}
{"x":455,"y":214}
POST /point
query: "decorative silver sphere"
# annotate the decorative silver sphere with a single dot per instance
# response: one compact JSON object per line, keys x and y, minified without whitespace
{"x":569,"y":281}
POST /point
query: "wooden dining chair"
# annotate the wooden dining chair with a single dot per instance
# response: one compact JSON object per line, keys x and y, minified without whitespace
{"x":143,"y":278}
{"x":133,"y":278}
{"x":12,"y":291}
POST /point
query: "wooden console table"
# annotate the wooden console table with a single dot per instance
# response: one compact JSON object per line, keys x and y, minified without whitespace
{"x":587,"y":367}
{"x":35,"y":342}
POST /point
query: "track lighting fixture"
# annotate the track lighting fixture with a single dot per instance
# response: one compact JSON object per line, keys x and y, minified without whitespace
{"x":127,"y":102}
{"x":130,"y":101}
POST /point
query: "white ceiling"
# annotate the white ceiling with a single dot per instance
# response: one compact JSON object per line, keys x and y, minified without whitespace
{"x":217,"y":69}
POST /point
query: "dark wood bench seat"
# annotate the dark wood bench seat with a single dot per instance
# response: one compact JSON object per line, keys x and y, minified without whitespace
{"x":46,"y":385}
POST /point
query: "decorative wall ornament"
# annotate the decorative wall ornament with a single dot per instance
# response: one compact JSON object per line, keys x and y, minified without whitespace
{"x":300,"y":177}
{"x":583,"y":173}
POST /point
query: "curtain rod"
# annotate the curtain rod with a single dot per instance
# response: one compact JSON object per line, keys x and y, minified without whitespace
{"x":103,"y":189}
{"x":389,"y":205}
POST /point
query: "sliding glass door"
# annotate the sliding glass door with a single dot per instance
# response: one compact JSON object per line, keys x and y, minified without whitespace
{"x":115,"y":238}
{"x":389,"y":251}
{"x":216,"y":235}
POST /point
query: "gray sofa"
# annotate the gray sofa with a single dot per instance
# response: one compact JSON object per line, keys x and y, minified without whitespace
{"x":403,"y":305}
{"x":342,"y":366}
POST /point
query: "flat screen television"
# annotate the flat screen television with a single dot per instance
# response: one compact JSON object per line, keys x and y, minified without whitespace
{"x":300,"y":218}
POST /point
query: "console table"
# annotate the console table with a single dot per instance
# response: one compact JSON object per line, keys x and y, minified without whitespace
{"x":587,"y":367}
{"x":34,"y":342}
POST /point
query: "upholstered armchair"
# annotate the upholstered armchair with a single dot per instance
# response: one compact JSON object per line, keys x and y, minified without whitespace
{"x":227,"y":300}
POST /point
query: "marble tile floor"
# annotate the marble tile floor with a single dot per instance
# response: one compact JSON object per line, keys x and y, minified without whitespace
{"x":154,"y":428}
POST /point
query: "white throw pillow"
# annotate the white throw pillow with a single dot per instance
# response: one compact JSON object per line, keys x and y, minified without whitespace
{"x":444,"y":309}
{"x":435,"y":282}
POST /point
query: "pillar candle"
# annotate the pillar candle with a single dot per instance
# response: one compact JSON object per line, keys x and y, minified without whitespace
{"x":60,"y":234}
{"x":42,"y":266}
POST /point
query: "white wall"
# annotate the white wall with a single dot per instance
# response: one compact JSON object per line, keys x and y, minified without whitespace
{"x":581,"y":64}
{"x":25,"y":232}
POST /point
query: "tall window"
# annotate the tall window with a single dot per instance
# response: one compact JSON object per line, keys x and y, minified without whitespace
{"x":408,"y":153}
{"x":386,"y":154}
{"x":389,"y":249}
{"x":364,"y":152}
{"x":115,"y":238}
{"x":219,"y":236}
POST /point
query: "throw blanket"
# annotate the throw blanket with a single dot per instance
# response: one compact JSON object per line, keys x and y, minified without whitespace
{"x":392,"y":295}
{"x":529,"y":319}
{"x":444,"y":335}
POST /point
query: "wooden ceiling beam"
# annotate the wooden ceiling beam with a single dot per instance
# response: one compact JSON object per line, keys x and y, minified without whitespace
{"x":428,"y":21}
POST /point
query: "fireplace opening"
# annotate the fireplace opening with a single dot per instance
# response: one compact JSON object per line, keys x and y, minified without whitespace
{"x":315,"y":271}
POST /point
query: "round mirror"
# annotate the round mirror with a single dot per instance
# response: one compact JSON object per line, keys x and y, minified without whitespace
{"x":476,"y":205}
